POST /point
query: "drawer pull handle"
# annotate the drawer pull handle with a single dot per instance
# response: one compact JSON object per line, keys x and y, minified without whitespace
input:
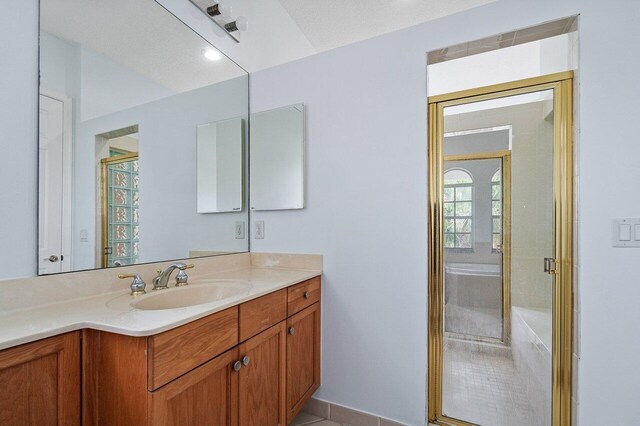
{"x":292,"y":330}
{"x":245,"y":360}
{"x":237,"y":366}
{"x":307,"y":295}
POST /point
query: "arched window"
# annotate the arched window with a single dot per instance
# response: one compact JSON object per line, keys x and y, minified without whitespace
{"x":458,"y":209}
{"x":496,"y":210}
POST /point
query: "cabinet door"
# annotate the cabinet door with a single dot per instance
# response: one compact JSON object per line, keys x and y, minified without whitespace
{"x":206,"y":396}
{"x":40,"y":382}
{"x":262,"y":378}
{"x":303,"y":358}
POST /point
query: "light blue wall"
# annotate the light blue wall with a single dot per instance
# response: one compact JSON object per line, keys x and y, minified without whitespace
{"x":366,"y":203}
{"x":19,"y":138}
{"x":169,"y":224}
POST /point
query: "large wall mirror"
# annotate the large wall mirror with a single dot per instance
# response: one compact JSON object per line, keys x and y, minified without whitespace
{"x":142,"y":139}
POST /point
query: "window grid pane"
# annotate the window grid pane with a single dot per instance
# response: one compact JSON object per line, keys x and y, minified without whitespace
{"x":458,"y":212}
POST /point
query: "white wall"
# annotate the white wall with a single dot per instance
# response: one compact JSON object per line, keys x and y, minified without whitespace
{"x":366,"y":203}
{"x":60,"y":67}
{"x":108,"y":87}
{"x":169,"y":224}
{"x":18,"y":140}
{"x":540,"y":57}
{"x":97,"y":84}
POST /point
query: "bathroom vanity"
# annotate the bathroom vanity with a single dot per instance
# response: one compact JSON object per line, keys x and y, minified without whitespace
{"x":250,"y":358}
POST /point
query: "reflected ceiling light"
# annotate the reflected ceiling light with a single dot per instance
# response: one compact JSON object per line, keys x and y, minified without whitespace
{"x":211,"y":54}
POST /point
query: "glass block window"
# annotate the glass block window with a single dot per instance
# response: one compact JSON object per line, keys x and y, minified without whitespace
{"x":458,"y":209}
{"x":123,"y":214}
{"x":496,"y":211}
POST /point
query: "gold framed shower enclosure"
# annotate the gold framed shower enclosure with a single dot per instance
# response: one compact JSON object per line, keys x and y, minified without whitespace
{"x":562,"y":294}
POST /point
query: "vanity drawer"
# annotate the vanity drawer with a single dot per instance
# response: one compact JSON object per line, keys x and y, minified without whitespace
{"x":175,"y":352}
{"x":261,"y":313}
{"x":303,"y":295}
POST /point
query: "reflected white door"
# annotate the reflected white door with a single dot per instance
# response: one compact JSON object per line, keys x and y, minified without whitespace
{"x":51,"y":185}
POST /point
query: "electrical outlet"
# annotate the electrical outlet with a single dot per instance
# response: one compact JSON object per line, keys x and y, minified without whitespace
{"x":84,"y":235}
{"x":239,"y":232}
{"x":259,"y":230}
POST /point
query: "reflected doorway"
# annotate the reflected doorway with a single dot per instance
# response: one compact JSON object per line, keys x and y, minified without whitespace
{"x":476,"y":242}
{"x":54,"y":187}
{"x":120,"y":201}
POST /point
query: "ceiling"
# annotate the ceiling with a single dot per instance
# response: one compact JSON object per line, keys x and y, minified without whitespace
{"x":142,"y":36}
{"x":282,"y":31}
{"x":329,"y":24}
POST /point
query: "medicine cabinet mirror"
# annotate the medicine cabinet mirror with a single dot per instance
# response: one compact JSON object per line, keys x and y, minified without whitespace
{"x":220,"y":166}
{"x":277,"y":159}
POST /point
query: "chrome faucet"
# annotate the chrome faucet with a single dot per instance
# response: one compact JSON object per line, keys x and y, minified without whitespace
{"x":137,"y":285}
{"x":161,"y":282}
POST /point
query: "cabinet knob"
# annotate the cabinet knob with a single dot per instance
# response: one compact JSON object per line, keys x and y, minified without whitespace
{"x":292,"y":330}
{"x":245,"y":360}
{"x":307,"y":294}
{"x":237,"y":366}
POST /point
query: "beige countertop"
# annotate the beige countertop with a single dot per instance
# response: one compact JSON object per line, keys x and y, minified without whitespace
{"x":113,"y":311}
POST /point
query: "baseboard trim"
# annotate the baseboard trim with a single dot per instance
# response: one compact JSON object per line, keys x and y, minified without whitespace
{"x":346,"y":415}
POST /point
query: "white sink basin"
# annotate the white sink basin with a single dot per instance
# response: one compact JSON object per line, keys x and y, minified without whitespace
{"x":182,"y":297}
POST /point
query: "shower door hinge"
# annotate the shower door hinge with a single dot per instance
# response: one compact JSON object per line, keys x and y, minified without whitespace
{"x":550,"y":265}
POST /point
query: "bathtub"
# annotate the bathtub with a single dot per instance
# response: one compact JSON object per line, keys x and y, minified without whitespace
{"x":531,"y":340}
{"x":473,"y":299}
{"x":478,"y":269}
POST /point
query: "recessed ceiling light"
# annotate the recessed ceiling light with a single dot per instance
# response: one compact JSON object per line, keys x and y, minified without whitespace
{"x":212,"y":54}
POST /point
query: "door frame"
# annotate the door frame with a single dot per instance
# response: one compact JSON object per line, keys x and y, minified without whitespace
{"x":562,"y":311}
{"x":104,"y":197}
{"x":505,"y":167}
{"x":67,"y":176}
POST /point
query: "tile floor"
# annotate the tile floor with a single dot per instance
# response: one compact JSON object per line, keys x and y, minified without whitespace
{"x":486,"y":389}
{"x":304,"y":419}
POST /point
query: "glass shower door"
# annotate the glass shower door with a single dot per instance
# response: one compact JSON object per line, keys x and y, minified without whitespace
{"x":497,"y":296}
{"x":474,"y":287}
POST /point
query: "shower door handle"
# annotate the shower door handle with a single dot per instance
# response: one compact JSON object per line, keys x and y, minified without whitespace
{"x":550,"y":265}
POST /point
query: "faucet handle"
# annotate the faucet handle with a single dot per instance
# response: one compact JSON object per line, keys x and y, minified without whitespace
{"x":182,"y":277}
{"x":137,"y":285}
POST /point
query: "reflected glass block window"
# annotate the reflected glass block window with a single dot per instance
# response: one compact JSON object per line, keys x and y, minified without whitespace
{"x":123,"y":200}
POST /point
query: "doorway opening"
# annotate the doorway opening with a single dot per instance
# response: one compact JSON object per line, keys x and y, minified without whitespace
{"x":500,"y":270}
{"x":55,"y":147}
{"x":120,"y":198}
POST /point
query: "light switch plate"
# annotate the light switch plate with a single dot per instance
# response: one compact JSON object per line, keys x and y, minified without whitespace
{"x":259,"y":230}
{"x":626,"y":232}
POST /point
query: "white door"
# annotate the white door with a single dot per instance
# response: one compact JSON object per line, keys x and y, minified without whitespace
{"x":50,"y":195}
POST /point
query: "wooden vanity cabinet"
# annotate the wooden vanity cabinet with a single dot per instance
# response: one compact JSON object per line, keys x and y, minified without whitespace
{"x":303,"y":358}
{"x":206,"y":396}
{"x":252,"y":364}
{"x":262,"y":389}
{"x":40,"y":382}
